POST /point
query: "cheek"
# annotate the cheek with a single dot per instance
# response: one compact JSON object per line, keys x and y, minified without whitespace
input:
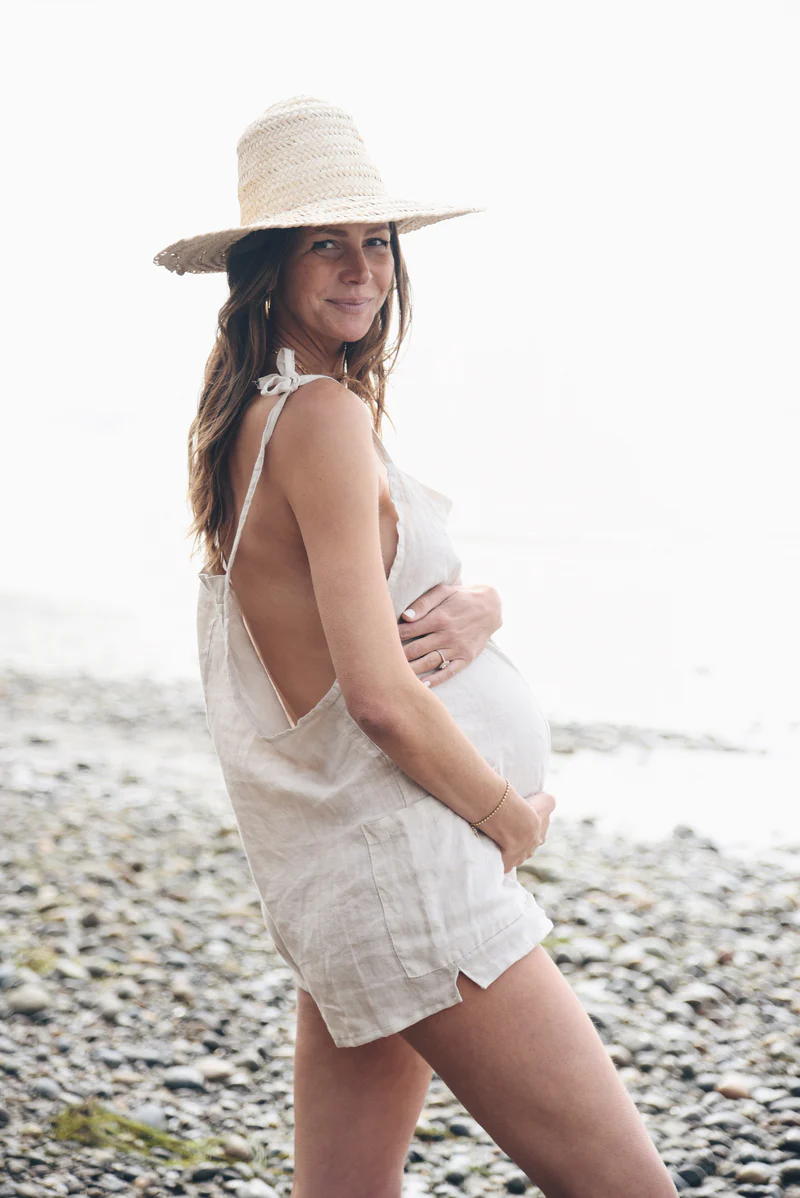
{"x":305,"y":287}
{"x":385,"y":276}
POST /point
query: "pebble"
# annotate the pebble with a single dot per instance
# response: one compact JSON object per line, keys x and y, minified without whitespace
{"x":756,"y":1172}
{"x":151,"y":1115}
{"x":256,"y":1189}
{"x":110,"y":1057}
{"x":789,"y":1172}
{"x":181,"y":1077}
{"x":517,"y":1184}
{"x":215,"y":1069}
{"x":28,"y":999}
{"x":734,"y":1086}
{"x":204,"y":1171}
{"x":114,"y":1185}
{"x":237,"y":1149}
{"x":157,"y":987}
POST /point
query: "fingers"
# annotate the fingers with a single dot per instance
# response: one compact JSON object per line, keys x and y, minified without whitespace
{"x":431,"y":664}
{"x":425,"y":603}
{"x":453,"y":667}
{"x":422,"y":656}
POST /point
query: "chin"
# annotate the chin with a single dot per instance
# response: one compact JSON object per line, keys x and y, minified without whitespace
{"x":350,"y":328}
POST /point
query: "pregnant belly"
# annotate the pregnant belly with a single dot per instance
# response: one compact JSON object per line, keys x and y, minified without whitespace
{"x":496,"y":709}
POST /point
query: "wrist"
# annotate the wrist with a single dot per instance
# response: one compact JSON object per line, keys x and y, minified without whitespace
{"x":478,"y":823}
{"x":506,"y":823}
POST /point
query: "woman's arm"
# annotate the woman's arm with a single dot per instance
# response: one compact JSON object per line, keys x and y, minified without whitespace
{"x":327,"y":466}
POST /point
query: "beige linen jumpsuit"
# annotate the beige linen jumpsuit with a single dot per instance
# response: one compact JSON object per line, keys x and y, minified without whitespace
{"x":375,"y":892}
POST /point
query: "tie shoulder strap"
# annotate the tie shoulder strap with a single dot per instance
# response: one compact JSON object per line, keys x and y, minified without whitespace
{"x":286,"y":378}
{"x":282,"y":384}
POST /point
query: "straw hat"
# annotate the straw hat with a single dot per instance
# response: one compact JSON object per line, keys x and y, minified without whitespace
{"x":302,"y":162}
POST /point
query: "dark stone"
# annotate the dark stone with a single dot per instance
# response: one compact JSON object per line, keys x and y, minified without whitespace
{"x":204,"y":1171}
{"x":517,"y":1185}
{"x":693,"y":1175}
{"x":790,"y":1172}
{"x":706,"y":1161}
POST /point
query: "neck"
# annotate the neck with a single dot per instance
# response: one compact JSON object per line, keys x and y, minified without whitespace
{"x":313,"y":357}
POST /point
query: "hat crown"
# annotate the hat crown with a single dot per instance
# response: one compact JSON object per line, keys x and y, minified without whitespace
{"x":301,"y":152}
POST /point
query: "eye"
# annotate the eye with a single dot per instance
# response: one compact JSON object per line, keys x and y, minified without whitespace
{"x":326,"y":241}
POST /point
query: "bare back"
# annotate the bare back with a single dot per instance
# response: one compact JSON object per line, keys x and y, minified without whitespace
{"x":271,"y":573}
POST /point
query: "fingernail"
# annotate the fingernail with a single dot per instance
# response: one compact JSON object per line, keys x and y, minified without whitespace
{"x":410,"y":613}
{"x":426,"y":682}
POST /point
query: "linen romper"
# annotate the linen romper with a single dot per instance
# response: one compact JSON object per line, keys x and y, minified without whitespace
{"x":375,"y":892}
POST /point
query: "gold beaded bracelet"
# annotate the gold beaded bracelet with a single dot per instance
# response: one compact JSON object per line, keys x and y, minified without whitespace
{"x":474,"y":825}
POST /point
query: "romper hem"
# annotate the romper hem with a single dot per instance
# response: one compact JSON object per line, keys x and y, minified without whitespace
{"x":482,"y":965}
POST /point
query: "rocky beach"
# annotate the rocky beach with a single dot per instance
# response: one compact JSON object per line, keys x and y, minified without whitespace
{"x":147,"y":1024}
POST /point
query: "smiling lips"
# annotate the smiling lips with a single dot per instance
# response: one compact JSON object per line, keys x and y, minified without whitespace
{"x":350,"y":305}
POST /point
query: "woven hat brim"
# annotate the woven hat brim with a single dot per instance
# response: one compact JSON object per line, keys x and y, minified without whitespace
{"x":208,"y":252}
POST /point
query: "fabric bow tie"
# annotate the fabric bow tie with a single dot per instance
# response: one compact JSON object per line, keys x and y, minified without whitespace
{"x":285,"y":380}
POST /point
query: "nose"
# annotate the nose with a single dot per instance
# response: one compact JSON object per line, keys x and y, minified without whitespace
{"x":355,"y":268}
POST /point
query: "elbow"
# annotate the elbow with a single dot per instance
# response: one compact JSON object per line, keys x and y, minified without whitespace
{"x":377,"y":714}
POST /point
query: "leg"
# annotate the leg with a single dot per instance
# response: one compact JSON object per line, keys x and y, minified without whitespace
{"x":526,"y":1061}
{"x":355,"y":1111}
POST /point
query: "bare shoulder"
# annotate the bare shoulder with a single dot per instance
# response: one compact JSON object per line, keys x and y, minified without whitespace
{"x":319,"y":416}
{"x":327,"y":402}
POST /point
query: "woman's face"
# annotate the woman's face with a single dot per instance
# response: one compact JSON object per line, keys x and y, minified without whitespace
{"x":335,"y":280}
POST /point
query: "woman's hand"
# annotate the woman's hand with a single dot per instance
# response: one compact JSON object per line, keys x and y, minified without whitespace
{"x":456,"y":619}
{"x":520,"y":826}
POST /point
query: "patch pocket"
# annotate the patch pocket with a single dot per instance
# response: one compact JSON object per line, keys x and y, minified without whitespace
{"x":443,"y":889}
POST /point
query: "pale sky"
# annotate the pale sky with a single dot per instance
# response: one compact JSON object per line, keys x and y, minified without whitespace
{"x":611,"y":350}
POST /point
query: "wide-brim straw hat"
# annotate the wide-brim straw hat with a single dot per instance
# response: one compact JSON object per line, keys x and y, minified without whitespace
{"x":303,"y":162}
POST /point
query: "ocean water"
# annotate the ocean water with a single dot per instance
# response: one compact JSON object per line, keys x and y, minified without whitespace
{"x":690,"y":637}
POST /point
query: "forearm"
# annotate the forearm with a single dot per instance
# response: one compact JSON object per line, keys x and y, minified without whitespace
{"x":415,"y":729}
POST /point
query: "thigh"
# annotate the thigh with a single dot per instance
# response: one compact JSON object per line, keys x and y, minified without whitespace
{"x":355,"y":1110}
{"x":526,"y":1061}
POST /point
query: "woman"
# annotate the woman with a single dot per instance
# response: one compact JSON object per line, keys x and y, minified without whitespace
{"x":382,"y":821}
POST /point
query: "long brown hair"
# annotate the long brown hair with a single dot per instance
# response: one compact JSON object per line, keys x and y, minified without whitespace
{"x":243,"y":343}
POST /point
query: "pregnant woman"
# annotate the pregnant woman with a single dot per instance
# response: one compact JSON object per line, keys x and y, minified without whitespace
{"x":382,"y":818}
